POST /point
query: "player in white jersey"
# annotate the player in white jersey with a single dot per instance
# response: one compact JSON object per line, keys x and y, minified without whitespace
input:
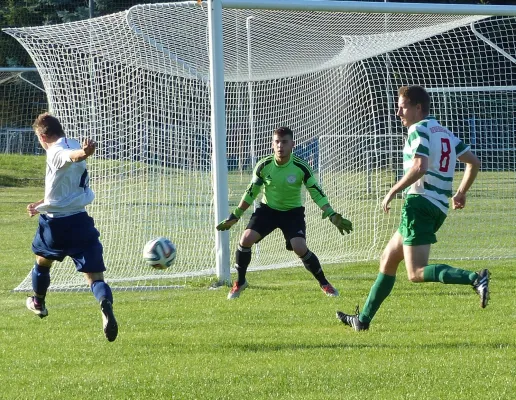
{"x":429,"y":159}
{"x":65,"y":228}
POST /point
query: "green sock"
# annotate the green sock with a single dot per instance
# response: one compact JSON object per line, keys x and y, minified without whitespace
{"x":446,"y":274}
{"x":378,"y":293}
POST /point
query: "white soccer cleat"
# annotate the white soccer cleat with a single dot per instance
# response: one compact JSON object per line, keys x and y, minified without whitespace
{"x":37,"y":308}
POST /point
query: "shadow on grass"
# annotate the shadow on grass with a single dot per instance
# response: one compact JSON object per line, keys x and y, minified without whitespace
{"x":9,"y":181}
{"x":272,"y":347}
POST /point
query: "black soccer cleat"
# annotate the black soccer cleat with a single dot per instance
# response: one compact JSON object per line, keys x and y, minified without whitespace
{"x":481,"y":286}
{"x":109,"y":322}
{"x":353,"y":321}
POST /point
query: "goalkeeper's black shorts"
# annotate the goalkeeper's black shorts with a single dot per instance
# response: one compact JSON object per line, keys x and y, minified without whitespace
{"x":292,"y":222}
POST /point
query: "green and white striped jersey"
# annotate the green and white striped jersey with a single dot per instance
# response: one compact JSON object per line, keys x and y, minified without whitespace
{"x":428,"y":138}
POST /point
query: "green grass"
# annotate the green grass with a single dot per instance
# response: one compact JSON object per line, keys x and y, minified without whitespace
{"x":21,"y":170}
{"x":280,"y":340}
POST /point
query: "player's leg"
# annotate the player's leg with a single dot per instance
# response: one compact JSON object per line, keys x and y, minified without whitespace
{"x":242,"y":261}
{"x":312,"y":265}
{"x":262,"y":223}
{"x":382,"y":287}
{"x":292,"y":224}
{"x":98,"y":286}
{"x":104,"y":296}
{"x":40,"y":284}
{"x":418,"y":270}
{"x":243,"y":252}
{"x":416,"y":259}
{"x":90,"y":261}
{"x":45,"y":247}
{"x":425,"y":220}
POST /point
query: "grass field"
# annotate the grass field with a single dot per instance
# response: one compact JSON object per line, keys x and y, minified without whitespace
{"x":280,"y":340}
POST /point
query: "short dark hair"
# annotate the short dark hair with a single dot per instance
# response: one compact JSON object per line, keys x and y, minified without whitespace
{"x":47,"y":124}
{"x":416,"y":95}
{"x":284,"y":131}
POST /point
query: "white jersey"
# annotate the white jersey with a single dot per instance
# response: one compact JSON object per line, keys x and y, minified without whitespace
{"x":67,"y":190}
{"x":428,"y":138}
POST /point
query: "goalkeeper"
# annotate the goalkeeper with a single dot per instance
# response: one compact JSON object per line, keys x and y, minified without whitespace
{"x":281,"y":175}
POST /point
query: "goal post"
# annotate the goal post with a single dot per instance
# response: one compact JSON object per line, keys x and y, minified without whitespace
{"x":182,"y":98}
{"x":218,"y":137}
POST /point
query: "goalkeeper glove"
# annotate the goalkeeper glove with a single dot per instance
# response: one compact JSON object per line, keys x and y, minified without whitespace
{"x":231,"y":220}
{"x":336,"y":219}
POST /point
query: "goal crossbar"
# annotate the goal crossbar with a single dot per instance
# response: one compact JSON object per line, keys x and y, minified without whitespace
{"x":370,"y":7}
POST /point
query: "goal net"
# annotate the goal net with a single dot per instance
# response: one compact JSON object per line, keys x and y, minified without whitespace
{"x":21,"y":98}
{"x":138,"y":83}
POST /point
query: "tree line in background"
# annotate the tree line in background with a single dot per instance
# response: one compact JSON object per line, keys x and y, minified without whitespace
{"x":17,"y":13}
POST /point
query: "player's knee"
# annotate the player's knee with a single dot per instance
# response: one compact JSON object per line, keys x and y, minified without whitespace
{"x":389,"y":262}
{"x":44,"y":262}
{"x":415,"y":276}
{"x":300,"y":251}
{"x":249,"y":237}
{"x":246,"y":242}
{"x":93,"y":277}
{"x":299,"y":246}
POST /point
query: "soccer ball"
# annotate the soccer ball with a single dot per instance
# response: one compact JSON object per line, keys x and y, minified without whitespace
{"x":159,"y":253}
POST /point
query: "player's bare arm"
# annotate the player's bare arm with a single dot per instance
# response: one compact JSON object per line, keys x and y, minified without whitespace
{"x":413,"y":175}
{"x":31,"y":208}
{"x":88,"y":148}
{"x":470,"y":173}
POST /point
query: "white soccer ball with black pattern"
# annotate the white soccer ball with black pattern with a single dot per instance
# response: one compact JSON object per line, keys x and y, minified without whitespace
{"x":160,"y":253}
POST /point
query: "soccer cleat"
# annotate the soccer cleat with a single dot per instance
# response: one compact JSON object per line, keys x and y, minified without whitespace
{"x":235,"y":291}
{"x":329,"y":290}
{"x":481,"y":286}
{"x":108,"y":319}
{"x":353,"y":321}
{"x":37,"y":307}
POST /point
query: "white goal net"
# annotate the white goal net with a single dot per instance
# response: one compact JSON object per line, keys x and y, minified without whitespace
{"x":138,"y":83}
{"x":21,"y":98}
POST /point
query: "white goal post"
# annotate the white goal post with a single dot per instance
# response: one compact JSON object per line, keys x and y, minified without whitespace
{"x":183,"y":98}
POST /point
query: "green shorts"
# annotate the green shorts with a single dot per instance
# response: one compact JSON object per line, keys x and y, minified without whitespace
{"x":420,"y":220}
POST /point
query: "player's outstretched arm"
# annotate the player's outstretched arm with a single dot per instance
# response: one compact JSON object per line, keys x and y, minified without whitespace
{"x":233,"y":218}
{"x":87,"y":149}
{"x":342,"y":224}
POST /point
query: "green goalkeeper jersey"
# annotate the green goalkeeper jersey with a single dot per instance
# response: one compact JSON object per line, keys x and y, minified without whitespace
{"x":281,"y":184}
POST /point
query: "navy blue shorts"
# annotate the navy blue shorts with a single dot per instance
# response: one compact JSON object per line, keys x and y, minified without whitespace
{"x":74,"y":236}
